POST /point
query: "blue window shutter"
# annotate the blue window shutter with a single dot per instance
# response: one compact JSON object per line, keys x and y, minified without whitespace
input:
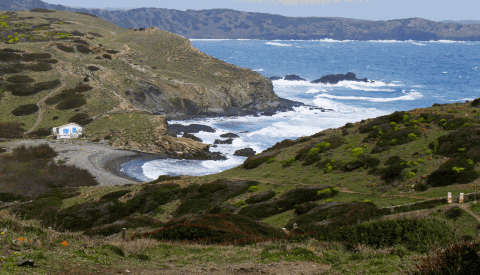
{"x":74,"y":130}
{"x":65,"y":131}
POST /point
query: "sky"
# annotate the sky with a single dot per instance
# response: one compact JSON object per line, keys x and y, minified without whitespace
{"x":435,"y":10}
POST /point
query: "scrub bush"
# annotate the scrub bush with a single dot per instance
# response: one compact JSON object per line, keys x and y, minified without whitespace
{"x":81,"y":119}
{"x":264,"y":196}
{"x":476,"y":102}
{"x":451,"y":172}
{"x":20,"y":79}
{"x":71,"y":103}
{"x":65,"y":48}
{"x":447,"y":145}
{"x":286,"y":202}
{"x":224,"y":229}
{"x":11,"y":130}
{"x":25,"y":110}
{"x":255,"y":161}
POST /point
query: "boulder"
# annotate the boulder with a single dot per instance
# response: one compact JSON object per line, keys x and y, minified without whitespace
{"x":192,"y":128}
{"x":229,"y":135}
{"x":335,"y":78}
{"x":192,"y":136}
{"x":228,"y":141}
{"x":246,"y":152}
{"x":275,"y":78}
{"x":293,"y":77}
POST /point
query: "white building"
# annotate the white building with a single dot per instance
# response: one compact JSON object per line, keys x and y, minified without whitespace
{"x":70,"y":130}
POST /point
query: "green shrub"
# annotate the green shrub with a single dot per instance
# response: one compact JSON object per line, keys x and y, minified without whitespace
{"x":476,"y":102}
{"x":415,"y":234}
{"x":312,"y":157}
{"x":240,"y":203}
{"x":115,"y":249}
{"x":453,"y":213}
{"x":20,"y":79}
{"x":81,"y":119}
{"x":255,"y":161}
{"x":323,"y":145}
{"x":325,"y":193}
{"x":271,"y":160}
{"x":455,"y":170}
{"x":114,"y":195}
{"x":457,"y":258}
{"x":355,"y":152}
{"x":288,"y":162}
{"x":367,"y":200}
{"x":25,"y":110}
{"x":212,"y":229}
{"x":71,"y":103}
{"x":264,"y":196}
{"x":65,"y":48}
{"x":285,"y":202}
{"x":253,"y":189}
{"x":328,"y":200}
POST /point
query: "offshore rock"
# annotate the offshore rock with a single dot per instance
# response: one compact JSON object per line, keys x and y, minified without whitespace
{"x":229,"y":135}
{"x":293,"y":77}
{"x":228,"y":141}
{"x":335,"y":78}
{"x":245,"y":152}
{"x":275,"y":77}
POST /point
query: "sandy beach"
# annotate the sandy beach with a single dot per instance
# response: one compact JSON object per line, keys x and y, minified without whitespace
{"x":102,"y":161}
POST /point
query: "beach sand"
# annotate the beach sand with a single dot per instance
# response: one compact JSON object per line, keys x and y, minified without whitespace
{"x":102,"y":161}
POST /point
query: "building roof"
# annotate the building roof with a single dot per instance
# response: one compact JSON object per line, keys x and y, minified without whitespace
{"x":69,"y":124}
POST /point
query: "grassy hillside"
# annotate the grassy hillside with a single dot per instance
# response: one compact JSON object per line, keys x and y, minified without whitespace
{"x":59,"y":67}
{"x":367,"y":196}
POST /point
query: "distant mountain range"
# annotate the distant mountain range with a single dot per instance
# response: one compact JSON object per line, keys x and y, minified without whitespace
{"x":226,"y":23}
{"x":462,"y":21}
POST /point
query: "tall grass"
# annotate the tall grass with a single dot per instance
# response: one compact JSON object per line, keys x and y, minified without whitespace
{"x":11,"y":130}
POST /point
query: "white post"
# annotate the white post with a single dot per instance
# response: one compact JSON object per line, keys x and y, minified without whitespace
{"x":449,"y":197}
{"x":124,"y":234}
{"x":461,"y":198}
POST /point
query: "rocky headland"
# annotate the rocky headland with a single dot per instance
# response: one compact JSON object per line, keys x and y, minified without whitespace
{"x":121,"y":85}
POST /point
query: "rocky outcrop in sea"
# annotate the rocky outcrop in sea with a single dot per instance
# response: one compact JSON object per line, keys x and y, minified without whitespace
{"x":335,"y":78}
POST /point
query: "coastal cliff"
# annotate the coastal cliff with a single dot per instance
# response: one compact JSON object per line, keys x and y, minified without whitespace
{"x":59,"y":67}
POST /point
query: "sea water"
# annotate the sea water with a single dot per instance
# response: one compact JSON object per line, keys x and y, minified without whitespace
{"x":406,"y":75}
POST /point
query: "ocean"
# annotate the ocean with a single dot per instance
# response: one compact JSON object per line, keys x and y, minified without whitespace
{"x":406,"y":75}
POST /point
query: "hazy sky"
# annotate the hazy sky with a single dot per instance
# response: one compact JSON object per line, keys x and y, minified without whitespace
{"x":360,"y":9}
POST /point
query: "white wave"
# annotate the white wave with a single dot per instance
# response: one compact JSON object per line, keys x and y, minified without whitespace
{"x":332,"y":40}
{"x":258,"y":70}
{"x":278,"y":44}
{"x":243,"y":39}
{"x":156,"y":168}
{"x":445,"y":72}
{"x":419,"y":44}
{"x":314,"y":91}
{"x":386,"y":41}
{"x":413,"y":95}
{"x":446,"y":41}
{"x":375,"y":86}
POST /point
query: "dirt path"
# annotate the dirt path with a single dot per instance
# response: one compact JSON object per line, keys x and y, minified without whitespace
{"x":42,"y":106}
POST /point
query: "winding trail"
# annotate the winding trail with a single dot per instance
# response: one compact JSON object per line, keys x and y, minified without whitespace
{"x":42,"y":106}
